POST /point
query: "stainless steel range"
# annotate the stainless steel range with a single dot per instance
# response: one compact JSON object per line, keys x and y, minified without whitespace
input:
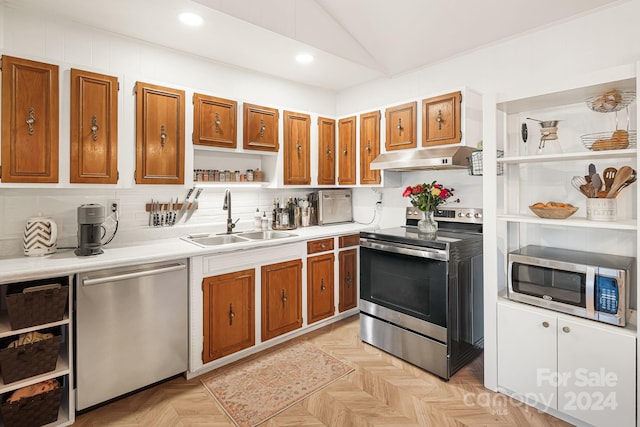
{"x":421,"y":299}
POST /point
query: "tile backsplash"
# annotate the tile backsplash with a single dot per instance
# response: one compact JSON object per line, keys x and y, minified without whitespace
{"x":17,"y":205}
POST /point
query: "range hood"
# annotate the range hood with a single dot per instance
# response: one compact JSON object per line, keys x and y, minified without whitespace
{"x":424,"y":159}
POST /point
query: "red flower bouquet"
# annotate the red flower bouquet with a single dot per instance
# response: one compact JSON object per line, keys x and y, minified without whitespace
{"x":427,"y":197}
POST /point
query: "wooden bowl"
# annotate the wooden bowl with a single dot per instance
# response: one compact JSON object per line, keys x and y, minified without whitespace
{"x":554,"y":212}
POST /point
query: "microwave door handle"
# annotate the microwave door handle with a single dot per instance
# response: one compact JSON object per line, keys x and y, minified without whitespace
{"x":590,"y":292}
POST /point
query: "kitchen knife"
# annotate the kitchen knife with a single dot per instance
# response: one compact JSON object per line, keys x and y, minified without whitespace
{"x":170,"y":212}
{"x":151,"y":214}
{"x":183,"y":209}
{"x":194,"y":204}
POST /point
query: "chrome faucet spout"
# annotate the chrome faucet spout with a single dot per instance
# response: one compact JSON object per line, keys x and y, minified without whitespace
{"x":227,"y":207}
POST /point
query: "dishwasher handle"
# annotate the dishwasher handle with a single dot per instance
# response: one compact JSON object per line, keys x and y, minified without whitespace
{"x":133,"y":274}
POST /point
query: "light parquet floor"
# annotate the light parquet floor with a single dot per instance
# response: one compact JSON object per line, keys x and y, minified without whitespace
{"x":382,"y":391}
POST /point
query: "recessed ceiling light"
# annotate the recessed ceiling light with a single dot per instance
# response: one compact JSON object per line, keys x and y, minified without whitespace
{"x":304,"y":58}
{"x":190,"y":19}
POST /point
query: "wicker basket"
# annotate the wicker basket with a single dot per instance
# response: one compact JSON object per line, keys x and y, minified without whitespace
{"x":554,"y":212}
{"x":35,"y":308}
{"x":32,"y":411}
{"x":29,"y":360}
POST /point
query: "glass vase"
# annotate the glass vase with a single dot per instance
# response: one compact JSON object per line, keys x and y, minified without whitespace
{"x":428,"y":226}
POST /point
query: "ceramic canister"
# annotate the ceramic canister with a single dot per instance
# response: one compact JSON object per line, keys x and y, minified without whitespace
{"x":40,"y":234}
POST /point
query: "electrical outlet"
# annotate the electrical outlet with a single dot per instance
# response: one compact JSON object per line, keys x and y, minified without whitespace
{"x":114,"y":207}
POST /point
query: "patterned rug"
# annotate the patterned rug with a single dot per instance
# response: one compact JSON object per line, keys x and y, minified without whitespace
{"x":255,"y":390}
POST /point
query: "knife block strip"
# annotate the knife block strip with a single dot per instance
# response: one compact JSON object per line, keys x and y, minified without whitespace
{"x":177,"y":207}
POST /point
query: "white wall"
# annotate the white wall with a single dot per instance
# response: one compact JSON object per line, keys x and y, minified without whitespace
{"x":600,"y":40}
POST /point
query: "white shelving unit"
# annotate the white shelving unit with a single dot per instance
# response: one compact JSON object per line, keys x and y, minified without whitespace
{"x":64,"y":366}
{"x":532,"y":176}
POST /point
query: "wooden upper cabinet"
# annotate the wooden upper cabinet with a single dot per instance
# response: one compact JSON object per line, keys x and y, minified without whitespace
{"x":347,"y":150}
{"x":401,"y":126}
{"x":30,"y":100}
{"x":260,"y":128}
{"x":229,"y":314}
{"x":441,"y":120}
{"x":159,"y":135}
{"x":369,"y":146}
{"x":297,"y":148}
{"x":326,"y":151}
{"x":94,"y":128}
{"x":214,"y":121}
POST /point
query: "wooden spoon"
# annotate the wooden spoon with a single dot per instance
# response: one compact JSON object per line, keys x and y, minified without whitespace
{"x":608,"y":175}
{"x":622,"y":175}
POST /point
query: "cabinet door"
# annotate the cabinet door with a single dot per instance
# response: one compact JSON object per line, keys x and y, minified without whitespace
{"x":441,"y":120}
{"x":320,"y":287}
{"x":281,"y":298}
{"x":229,"y":314}
{"x":297,"y":143}
{"x":401,"y":126}
{"x":369,"y":146}
{"x":94,"y":128}
{"x":159,"y":135}
{"x":260,"y":128}
{"x":527,"y":350}
{"x":214,"y":121}
{"x":348,"y":285}
{"x":347,"y":151}
{"x":597,"y":368}
{"x":326,"y":151}
{"x":29,"y":121}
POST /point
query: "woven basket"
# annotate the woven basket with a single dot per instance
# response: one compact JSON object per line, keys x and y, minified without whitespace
{"x":554,"y":212}
{"x":29,"y":360}
{"x":35,"y":308}
{"x":32,"y":411}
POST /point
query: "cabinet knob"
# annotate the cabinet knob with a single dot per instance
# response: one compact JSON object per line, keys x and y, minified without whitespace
{"x":348,"y":279}
{"x":399,"y":126}
{"x":31,"y":120}
{"x":545,"y":324}
{"x":322,"y":245}
{"x":163,"y":136}
{"x":368,"y":147}
{"x":298,"y":146}
{"x":346,"y":149}
{"x":218,"y":122}
{"x":566,"y":329}
{"x":328,"y":152}
{"x":263,"y":127}
{"x":439,"y":119}
{"x":231,"y":314}
{"x":322,"y":286}
{"x":94,"y":127}
{"x":284,"y":297}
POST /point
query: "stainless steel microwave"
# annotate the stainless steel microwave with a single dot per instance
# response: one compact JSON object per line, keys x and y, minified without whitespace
{"x":591,"y":285}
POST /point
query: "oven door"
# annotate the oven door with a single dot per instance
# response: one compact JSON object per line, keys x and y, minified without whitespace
{"x":405,"y":285}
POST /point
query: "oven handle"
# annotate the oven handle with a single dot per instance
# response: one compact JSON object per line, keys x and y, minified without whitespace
{"x":397,"y":248}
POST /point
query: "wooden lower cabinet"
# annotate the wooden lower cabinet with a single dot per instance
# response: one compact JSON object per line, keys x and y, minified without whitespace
{"x":320,"y":287}
{"x":348,"y":285}
{"x":281,"y":298}
{"x":229,"y":314}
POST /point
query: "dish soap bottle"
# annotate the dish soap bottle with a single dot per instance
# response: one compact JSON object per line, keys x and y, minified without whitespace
{"x":265,"y":221}
{"x":257,"y":220}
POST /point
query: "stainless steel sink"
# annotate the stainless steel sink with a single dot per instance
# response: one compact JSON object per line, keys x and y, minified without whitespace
{"x":266,"y":235}
{"x":216,"y":240}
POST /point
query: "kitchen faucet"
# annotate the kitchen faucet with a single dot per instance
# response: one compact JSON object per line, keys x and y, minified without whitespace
{"x":227,"y":207}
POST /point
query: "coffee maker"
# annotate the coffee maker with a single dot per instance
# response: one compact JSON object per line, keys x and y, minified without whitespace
{"x":90,"y":230}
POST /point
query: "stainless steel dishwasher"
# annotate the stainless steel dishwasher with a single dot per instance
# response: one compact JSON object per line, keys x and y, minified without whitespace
{"x":131,"y":329}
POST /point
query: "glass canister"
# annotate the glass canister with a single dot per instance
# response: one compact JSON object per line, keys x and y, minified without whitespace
{"x":249,"y":174}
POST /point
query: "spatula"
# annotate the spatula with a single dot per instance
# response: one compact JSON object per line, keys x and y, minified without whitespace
{"x":622,"y":175}
{"x":608,"y":175}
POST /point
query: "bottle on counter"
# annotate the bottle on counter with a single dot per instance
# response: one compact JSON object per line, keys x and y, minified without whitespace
{"x":264,"y":221}
{"x":257,"y":220}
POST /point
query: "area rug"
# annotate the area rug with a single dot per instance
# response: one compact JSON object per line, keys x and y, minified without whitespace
{"x":255,"y":390}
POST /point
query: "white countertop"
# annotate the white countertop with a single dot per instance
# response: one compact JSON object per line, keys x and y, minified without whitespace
{"x":65,"y":262}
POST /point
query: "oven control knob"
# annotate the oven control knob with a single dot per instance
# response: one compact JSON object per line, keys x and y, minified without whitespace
{"x":469,"y":215}
{"x":478,"y":215}
{"x":460,"y":214}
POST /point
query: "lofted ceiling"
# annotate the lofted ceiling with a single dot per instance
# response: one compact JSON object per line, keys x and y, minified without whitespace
{"x":352,"y":41}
